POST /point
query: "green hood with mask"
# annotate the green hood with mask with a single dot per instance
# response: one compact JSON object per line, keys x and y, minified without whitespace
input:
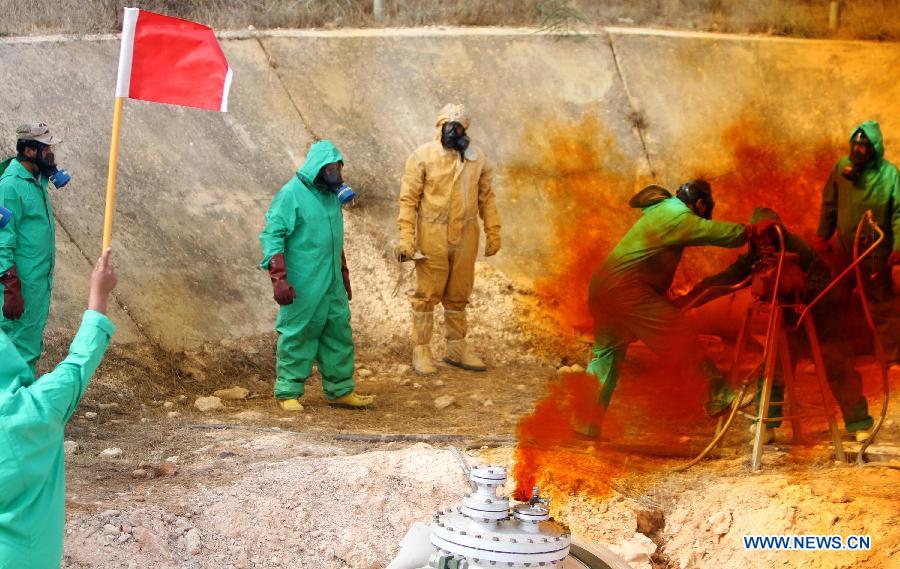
{"x":320,"y":154}
{"x":872,"y":130}
{"x":844,"y":201}
{"x":307,"y":225}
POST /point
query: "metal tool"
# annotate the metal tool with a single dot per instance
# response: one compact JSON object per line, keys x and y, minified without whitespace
{"x":777,"y":297}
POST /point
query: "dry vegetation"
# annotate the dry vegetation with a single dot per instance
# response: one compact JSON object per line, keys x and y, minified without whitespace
{"x":861,"y":19}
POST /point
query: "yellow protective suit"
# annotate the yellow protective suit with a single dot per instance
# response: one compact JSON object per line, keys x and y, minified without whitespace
{"x":441,"y":198}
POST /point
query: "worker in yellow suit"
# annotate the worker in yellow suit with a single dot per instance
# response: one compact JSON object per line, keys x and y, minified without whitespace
{"x":446,"y":186}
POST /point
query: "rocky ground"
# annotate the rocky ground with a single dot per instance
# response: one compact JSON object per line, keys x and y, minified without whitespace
{"x":197,"y":479}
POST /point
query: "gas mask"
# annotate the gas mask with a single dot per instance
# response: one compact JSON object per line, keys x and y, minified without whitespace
{"x":453,"y":137}
{"x":346,"y":195}
{"x":328,"y":181}
{"x":861,"y":152}
{"x":45,"y":161}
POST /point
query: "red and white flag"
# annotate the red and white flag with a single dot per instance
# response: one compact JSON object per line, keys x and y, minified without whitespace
{"x":170,"y":60}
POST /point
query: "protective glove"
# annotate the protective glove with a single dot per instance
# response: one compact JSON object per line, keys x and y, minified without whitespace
{"x":492,"y":246}
{"x":761,"y":230}
{"x":345,"y":274}
{"x":404,"y":251}
{"x":822,"y":246}
{"x":283,"y":293}
{"x":894,"y":259}
{"x":13,"y":303}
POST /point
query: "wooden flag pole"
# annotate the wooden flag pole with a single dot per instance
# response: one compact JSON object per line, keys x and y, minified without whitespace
{"x":111,"y":176}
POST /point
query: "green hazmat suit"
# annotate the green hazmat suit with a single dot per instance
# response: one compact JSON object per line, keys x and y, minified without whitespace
{"x":307,"y":225}
{"x":628,"y":294}
{"x":29,"y":244}
{"x":32,"y":468}
{"x":843,"y":204}
{"x":829,"y":319}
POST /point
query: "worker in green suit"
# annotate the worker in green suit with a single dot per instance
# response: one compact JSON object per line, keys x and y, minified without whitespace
{"x":303,"y":250}
{"x":28,"y":246}
{"x":629,"y":290}
{"x":34,"y":414}
{"x":865,"y":180}
{"x":829,"y":317}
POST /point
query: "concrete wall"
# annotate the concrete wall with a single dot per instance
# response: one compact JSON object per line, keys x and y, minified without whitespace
{"x":194,"y":185}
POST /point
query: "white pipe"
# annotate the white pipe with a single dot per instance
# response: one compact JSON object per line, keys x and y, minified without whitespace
{"x":415,"y":549}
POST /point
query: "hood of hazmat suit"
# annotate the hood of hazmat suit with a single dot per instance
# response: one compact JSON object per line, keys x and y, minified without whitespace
{"x":845,"y":201}
{"x":307,"y":225}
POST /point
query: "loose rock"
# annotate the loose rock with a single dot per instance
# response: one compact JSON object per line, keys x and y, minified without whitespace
{"x":235,"y":393}
{"x":151,"y":542}
{"x":114,"y":452}
{"x":719,"y":523}
{"x":71,"y":447}
{"x":840,"y":497}
{"x":636,"y":550}
{"x":444,"y":401}
{"x":206,"y":404}
{"x":110,"y":529}
{"x":158,"y":469}
{"x":192,"y":542}
{"x":649,"y":521}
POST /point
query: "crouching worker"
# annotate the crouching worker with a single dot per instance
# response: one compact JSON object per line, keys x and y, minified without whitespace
{"x":303,"y":250}
{"x":828,"y":317}
{"x":33,"y":416}
{"x":629,"y":291}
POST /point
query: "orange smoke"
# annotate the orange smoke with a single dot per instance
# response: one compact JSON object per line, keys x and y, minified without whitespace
{"x":767,"y":170}
{"x":571,"y":400}
{"x":586,"y":182}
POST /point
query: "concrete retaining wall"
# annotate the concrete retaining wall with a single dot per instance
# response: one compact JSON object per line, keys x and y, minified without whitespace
{"x":194,"y":185}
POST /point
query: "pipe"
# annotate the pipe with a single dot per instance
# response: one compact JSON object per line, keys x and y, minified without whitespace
{"x":378,"y":10}
{"x":720,"y":434}
{"x":879,"y":348}
{"x":718,"y":288}
{"x":834,"y":15}
{"x":419,"y":438}
{"x":845,"y":272}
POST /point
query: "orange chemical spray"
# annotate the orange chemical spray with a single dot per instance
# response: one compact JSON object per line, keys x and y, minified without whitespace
{"x":580,"y":176}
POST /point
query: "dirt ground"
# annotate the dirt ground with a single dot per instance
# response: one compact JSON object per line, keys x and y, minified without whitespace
{"x":251,"y":486}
